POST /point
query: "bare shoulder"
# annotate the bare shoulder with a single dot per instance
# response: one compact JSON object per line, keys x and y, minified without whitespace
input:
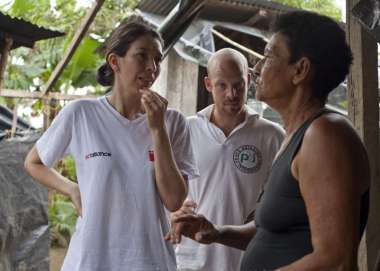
{"x":332,"y":147}
{"x":333,"y":131}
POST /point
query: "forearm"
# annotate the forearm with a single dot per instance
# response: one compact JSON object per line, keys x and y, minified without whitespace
{"x":46,"y":176}
{"x":170,"y":183}
{"x":322,"y":261}
{"x":236,"y":236}
{"x":50,"y":178}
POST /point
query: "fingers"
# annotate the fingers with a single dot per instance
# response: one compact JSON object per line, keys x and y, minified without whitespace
{"x":77,"y":204}
{"x":152,"y":100}
{"x":79,"y":210}
{"x":189,"y":204}
{"x":167,"y":236}
{"x":186,"y":218}
{"x":74,"y":194}
{"x":178,"y":229}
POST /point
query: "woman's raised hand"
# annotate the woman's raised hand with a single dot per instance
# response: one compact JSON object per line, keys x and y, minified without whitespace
{"x":155,"y":108}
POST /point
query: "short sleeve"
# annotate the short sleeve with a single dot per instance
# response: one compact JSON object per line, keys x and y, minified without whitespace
{"x":54,"y":144}
{"x":182,"y":148}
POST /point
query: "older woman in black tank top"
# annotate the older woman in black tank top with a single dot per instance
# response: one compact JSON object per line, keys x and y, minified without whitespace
{"x":314,"y":206}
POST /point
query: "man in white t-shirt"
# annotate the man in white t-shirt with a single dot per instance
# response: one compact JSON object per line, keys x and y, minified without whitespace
{"x":234,"y":148}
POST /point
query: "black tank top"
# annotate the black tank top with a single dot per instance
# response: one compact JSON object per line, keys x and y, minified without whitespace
{"x":283,"y":231}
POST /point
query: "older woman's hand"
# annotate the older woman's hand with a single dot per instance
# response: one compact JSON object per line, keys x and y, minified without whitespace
{"x":189,"y":224}
{"x":176,"y":230}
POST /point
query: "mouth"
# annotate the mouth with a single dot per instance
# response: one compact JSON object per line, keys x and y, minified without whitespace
{"x":146,"y":82}
{"x":256,"y":80}
{"x":231,"y":103}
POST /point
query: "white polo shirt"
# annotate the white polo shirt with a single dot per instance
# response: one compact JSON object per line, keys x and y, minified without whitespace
{"x":232,"y":171}
{"x":124,"y":222}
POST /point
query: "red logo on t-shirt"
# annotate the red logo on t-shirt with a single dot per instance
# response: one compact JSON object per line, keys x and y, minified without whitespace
{"x":151,"y":155}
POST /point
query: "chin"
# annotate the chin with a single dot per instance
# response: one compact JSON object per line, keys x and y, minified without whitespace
{"x":233,"y":110}
{"x":259,"y":97}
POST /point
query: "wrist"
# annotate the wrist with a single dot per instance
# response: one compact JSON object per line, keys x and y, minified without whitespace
{"x":69,"y":188}
{"x":158,"y":132}
{"x":218,"y":233}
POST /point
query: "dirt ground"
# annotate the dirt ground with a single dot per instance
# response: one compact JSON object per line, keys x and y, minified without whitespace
{"x":57,"y":254}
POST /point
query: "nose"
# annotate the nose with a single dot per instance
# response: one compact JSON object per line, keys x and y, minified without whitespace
{"x":257,"y":68}
{"x":152,"y":65}
{"x":232,"y":92}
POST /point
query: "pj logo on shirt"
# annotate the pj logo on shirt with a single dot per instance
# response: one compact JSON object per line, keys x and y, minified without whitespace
{"x":248,"y":159}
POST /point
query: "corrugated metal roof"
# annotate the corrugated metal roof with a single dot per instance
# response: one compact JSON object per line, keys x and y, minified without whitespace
{"x":22,"y":32}
{"x":260,"y":3}
{"x":163,"y":7}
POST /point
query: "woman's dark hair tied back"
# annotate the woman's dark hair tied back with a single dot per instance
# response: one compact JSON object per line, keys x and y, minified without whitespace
{"x":105,"y":75}
{"x":119,"y":42}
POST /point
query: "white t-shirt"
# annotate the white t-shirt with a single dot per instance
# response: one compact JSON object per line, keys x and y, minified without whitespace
{"x":124,"y":222}
{"x":232,"y":171}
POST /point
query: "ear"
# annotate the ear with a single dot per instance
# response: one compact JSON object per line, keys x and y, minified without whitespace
{"x":113,"y":61}
{"x":249,"y":79}
{"x":207,"y":82}
{"x":302,"y":70}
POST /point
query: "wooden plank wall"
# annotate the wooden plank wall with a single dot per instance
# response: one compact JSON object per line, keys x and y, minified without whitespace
{"x":363,"y":110}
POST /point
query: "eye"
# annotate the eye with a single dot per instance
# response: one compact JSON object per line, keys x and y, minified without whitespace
{"x":142,"y":55}
{"x":221,"y":86}
{"x":239,"y":85}
{"x":158,"y":60}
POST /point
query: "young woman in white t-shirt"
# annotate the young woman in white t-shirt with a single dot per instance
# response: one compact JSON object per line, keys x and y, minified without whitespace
{"x":132,"y":156}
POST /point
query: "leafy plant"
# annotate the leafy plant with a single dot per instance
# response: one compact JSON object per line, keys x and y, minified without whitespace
{"x":62,"y":217}
{"x":62,"y":213}
{"x":326,"y":7}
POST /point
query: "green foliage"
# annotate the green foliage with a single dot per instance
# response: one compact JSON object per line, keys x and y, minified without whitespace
{"x":20,"y":7}
{"x":67,"y":168}
{"x":2,"y":101}
{"x":28,"y":65}
{"x":326,"y":7}
{"x":83,"y":61}
{"x":62,"y":213}
{"x":344,"y":104}
{"x":62,"y":217}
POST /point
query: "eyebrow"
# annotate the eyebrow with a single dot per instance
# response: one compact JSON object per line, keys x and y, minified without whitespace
{"x":268,"y":50}
{"x":145,"y":49}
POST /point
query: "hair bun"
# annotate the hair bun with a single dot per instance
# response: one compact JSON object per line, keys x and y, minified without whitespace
{"x":105,"y":75}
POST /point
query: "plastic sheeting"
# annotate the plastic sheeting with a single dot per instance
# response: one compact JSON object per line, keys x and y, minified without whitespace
{"x":368,"y":13}
{"x":24,"y":233}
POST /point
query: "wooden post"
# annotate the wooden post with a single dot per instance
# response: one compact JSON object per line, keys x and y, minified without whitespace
{"x":14,"y":119}
{"x":4,"y":57}
{"x":90,"y":16}
{"x":363,"y":110}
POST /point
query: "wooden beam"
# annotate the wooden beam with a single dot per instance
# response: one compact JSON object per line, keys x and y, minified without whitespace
{"x":90,"y":16}
{"x":363,"y":110}
{"x":177,"y":21}
{"x":238,"y":45}
{"x":10,"y":93}
{"x":4,"y":57}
